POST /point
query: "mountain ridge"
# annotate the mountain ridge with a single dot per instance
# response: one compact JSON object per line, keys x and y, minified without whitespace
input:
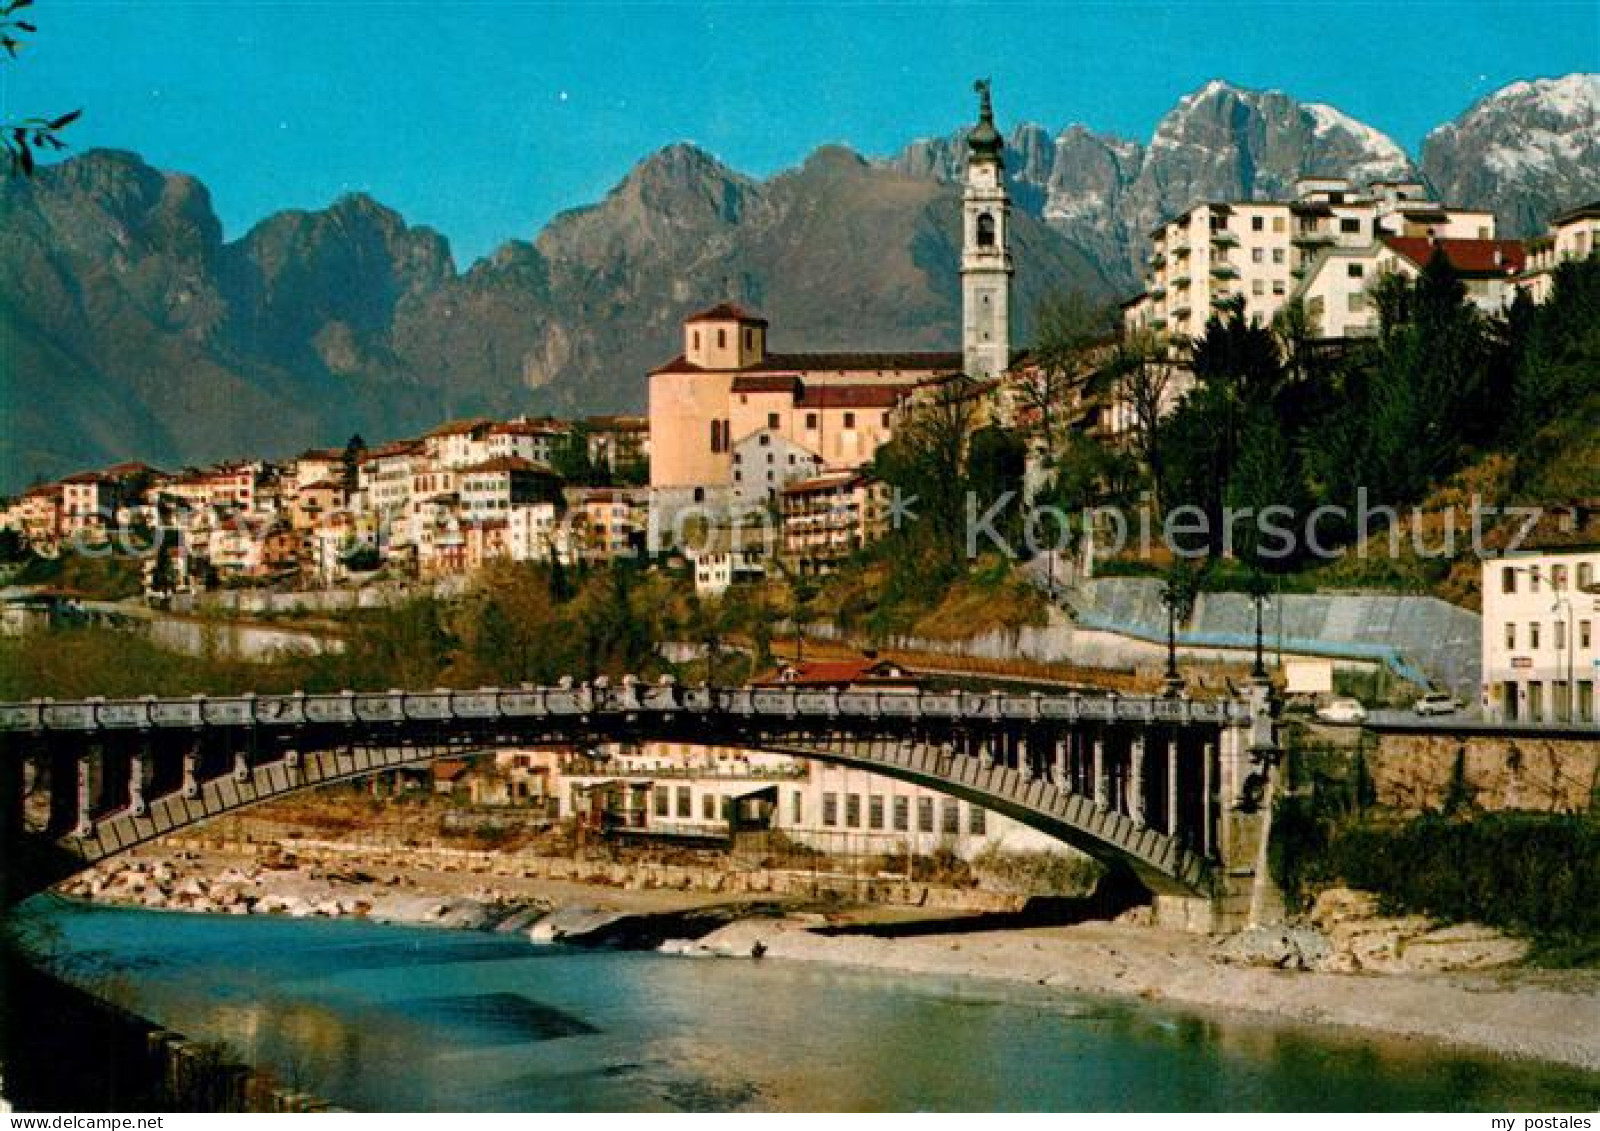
{"x":131,"y":328}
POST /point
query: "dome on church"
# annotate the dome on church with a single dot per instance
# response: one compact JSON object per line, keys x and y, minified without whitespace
{"x":984,"y":140}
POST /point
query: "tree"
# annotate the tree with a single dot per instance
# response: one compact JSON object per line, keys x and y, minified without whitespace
{"x":354,"y":449}
{"x":1068,"y":329}
{"x":1142,"y":378}
{"x":927,"y":463}
{"x":24,"y":138}
{"x":570,"y":459}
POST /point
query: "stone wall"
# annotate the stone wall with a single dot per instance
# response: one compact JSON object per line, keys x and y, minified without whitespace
{"x":1412,"y":772}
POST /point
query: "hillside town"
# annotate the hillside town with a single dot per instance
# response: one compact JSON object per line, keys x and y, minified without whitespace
{"x":1184,"y":663}
{"x":755,"y":462}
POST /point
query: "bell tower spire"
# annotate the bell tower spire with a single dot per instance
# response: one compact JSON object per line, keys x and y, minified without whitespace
{"x":986,"y":249}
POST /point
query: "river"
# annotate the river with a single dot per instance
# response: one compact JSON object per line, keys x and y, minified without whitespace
{"x":388,"y":1018}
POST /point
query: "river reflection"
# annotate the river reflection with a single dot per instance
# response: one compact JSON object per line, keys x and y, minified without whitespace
{"x":377,"y":1017}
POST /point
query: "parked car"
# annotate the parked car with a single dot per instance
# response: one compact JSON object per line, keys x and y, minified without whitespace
{"x":1437,"y":703}
{"x":1342,"y":710}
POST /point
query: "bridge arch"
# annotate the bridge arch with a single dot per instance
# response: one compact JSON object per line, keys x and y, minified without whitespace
{"x":1141,"y":784}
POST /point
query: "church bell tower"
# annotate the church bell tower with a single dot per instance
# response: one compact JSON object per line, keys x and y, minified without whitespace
{"x":986,"y":250}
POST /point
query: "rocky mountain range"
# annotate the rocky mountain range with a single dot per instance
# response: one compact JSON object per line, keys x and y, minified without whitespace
{"x":130,"y":329}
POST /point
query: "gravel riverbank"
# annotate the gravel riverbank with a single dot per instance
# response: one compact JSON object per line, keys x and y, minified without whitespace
{"x":1365,"y":982}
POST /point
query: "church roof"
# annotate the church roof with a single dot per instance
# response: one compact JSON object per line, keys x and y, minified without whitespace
{"x":727,"y":312}
{"x":792,"y":364}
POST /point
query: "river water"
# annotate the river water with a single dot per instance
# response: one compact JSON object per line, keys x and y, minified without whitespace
{"x":374,"y":1017}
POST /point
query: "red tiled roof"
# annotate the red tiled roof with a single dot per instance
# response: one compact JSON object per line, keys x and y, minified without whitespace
{"x":1468,"y":257}
{"x":394,"y":448}
{"x":618,"y":423}
{"x":321,"y":454}
{"x":460,"y":427}
{"x":830,"y":482}
{"x":85,"y":477}
{"x":507,"y":463}
{"x":849,"y":396}
{"x":528,"y":428}
{"x":766,"y":383}
{"x":727,"y":312}
{"x":802,"y":363}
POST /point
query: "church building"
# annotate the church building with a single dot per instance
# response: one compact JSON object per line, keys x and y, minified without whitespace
{"x":732,"y":421}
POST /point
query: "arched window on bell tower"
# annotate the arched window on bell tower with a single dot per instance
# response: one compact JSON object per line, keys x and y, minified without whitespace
{"x":985,"y":229}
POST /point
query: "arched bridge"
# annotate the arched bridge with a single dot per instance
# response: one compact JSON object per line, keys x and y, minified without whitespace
{"x":1169,"y":788}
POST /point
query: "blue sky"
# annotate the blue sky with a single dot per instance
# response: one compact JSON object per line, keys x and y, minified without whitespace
{"x":483,"y":119}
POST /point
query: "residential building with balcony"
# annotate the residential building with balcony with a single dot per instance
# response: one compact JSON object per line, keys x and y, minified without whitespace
{"x":1259,"y":251}
{"x":1574,"y":234}
{"x":828,"y":518}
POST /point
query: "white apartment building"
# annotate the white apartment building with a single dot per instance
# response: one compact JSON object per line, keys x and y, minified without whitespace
{"x":1260,"y":250}
{"x":1541,"y":635}
{"x":1336,"y":288}
{"x":764,"y":463}
{"x":1574,"y":234}
{"x":384,"y":478}
{"x":538,"y":532}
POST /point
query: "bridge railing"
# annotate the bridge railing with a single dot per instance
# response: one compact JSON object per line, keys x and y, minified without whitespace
{"x":629,"y":698}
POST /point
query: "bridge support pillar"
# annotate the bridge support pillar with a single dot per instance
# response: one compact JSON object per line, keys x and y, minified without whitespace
{"x":1099,"y":771}
{"x":1136,"y":807}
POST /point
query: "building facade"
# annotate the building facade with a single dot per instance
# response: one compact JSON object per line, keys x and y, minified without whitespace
{"x":1541,"y":635}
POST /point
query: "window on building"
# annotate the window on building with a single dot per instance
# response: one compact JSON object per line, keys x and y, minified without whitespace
{"x":886,"y":420}
{"x":662,"y":801}
{"x":1258,"y":223}
{"x":1511,"y":636}
{"x":977,"y":820}
{"x":765,"y":440}
{"x":797,"y":807}
{"x":925,"y":814}
{"x":722,"y":339}
{"x":1356,"y":303}
{"x":950,"y":816}
{"x":1585,"y":634}
{"x":750,"y":340}
{"x":1277,"y":286}
{"x":1533,"y":634}
{"x":830,"y":810}
{"x":1508,"y":579}
{"x":985,"y":230}
{"x":902,"y":814}
{"x":1585,"y":575}
{"x":1350,"y":225}
{"x":1560,"y":634}
{"x":811,"y":422}
{"x":1533,"y":580}
{"x":1558,"y":577}
{"x":1258,"y":255}
{"x":852,"y":810}
{"x":849,"y":420}
{"x":708,"y":806}
{"x":685,"y":802}
{"x":696,"y":339}
{"x":1258,"y":286}
{"x":1356,"y":270}
{"x":772,"y":420}
{"x":1277,"y":224}
{"x":874,"y":812}
{"x":1277,"y":255}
